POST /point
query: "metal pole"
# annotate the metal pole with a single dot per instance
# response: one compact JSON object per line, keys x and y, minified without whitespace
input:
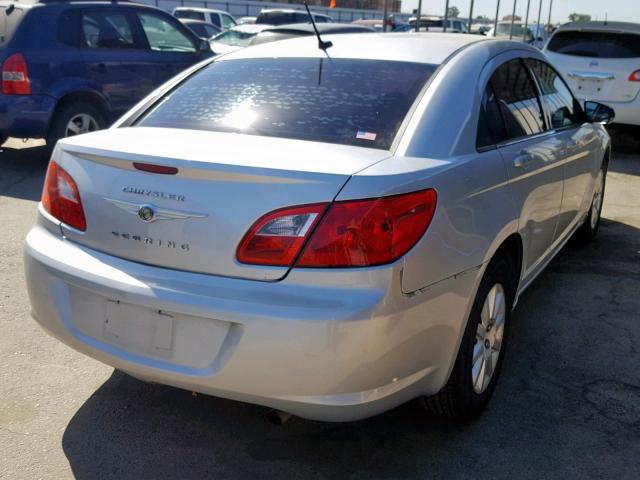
{"x":495,"y":23}
{"x":446,"y":16}
{"x":550,"y":7}
{"x":384,"y":16}
{"x":538,"y":24}
{"x":470,"y":17}
{"x":526,"y":22}
{"x":513,"y":19}
{"x":418,"y":15}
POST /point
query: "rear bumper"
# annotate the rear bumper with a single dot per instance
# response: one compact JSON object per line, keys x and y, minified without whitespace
{"x":26,"y":116}
{"x":326,"y":345}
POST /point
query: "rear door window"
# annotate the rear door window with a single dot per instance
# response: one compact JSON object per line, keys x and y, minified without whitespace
{"x":345,"y":101}
{"x":227,"y":21}
{"x":10,"y":18}
{"x":563,"y":108}
{"x":596,"y":44}
{"x":518,"y":100}
{"x":108,"y":29}
{"x":490,"y":125}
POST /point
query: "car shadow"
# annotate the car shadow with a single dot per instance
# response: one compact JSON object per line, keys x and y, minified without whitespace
{"x":23,"y":166}
{"x":570,"y":384}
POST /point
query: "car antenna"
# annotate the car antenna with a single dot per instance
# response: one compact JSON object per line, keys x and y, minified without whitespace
{"x":322,"y":45}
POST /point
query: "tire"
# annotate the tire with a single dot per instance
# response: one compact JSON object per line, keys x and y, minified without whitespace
{"x":74,"y":118}
{"x":466,"y":394}
{"x":589,"y":228}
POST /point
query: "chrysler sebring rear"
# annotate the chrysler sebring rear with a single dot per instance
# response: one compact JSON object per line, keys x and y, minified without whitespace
{"x":329,"y":234}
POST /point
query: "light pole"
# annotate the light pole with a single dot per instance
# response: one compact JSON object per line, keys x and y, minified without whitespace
{"x":538,"y":24}
{"x":418,"y":15}
{"x":513,"y":19}
{"x":495,"y":23}
{"x":550,"y":7}
{"x":384,"y":16}
{"x":526,"y":22}
{"x":470,"y":17}
{"x":446,"y":16}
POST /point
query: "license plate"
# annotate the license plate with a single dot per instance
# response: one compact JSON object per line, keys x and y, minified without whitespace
{"x":138,"y":328}
{"x":590,"y":86}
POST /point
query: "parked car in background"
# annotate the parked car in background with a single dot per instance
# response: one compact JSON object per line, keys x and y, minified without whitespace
{"x":376,"y":24}
{"x":219,"y":18}
{"x":236,"y":37}
{"x":283,"y":32}
{"x":246,"y":20}
{"x":74,"y":67}
{"x":436,"y":24}
{"x":601,"y":61}
{"x":284,"y":16}
{"x":517,"y":32}
{"x":327,"y":233}
{"x":204,"y":30}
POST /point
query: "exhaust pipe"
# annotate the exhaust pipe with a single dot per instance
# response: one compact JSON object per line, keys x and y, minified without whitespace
{"x":278,"y":417}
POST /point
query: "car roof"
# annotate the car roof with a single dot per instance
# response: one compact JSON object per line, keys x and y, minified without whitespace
{"x":625,"y":27}
{"x":431,"y":48}
{"x":195,"y":21}
{"x":250,"y":27}
{"x":322,"y":27}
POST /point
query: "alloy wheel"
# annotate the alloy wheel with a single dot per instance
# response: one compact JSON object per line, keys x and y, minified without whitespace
{"x":489,"y":334}
{"x":80,"y":123}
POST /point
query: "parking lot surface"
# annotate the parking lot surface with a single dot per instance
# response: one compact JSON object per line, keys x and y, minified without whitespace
{"x":567,"y":405}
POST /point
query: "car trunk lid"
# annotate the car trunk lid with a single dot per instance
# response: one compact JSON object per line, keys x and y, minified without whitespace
{"x":223,"y":184}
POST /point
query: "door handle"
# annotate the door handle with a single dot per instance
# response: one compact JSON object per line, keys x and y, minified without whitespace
{"x":523,"y":160}
{"x":99,"y":68}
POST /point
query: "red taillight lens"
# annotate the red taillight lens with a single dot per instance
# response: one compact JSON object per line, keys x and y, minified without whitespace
{"x":635,"y":76}
{"x":369,"y":232}
{"x":61,"y":198}
{"x":276,"y":238}
{"x":356,"y":233}
{"x":15,"y":76}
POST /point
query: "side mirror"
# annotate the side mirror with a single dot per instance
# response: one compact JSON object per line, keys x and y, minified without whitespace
{"x":598,"y":113}
{"x":204,"y":46}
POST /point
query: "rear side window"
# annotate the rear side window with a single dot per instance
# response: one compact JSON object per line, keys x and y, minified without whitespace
{"x":517,"y":100}
{"x":10,"y":18}
{"x":564,"y":110}
{"x":345,"y":101}
{"x":596,"y":44}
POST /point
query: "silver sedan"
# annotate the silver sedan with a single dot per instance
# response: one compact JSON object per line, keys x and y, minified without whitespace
{"x":327,"y":232}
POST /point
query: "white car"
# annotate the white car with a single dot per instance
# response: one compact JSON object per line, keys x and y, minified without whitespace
{"x":601,"y":62}
{"x":219,"y":18}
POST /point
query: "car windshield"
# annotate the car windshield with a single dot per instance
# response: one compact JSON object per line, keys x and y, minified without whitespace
{"x":596,"y":44}
{"x":346,"y":101}
{"x":235,"y":38}
{"x":504,"y":30}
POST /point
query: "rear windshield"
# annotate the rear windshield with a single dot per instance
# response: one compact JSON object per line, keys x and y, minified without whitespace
{"x":9,"y":20}
{"x":282,"y":18}
{"x":189,"y":14}
{"x":596,"y":44}
{"x":346,"y":101}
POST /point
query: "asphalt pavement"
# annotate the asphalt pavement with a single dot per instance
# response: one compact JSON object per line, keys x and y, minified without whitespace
{"x":567,"y":405}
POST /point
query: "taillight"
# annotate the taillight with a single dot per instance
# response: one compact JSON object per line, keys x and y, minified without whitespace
{"x":61,"y":198}
{"x":635,"y":76}
{"x":15,"y":76}
{"x":276,"y":238}
{"x":354,"y":233}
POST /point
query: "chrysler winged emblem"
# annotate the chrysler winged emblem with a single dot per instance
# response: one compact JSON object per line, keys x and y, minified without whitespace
{"x":150,"y":213}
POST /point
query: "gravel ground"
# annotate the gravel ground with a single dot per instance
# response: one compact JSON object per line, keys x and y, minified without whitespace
{"x":567,"y":406}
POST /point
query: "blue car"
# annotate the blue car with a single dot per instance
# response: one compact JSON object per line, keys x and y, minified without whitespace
{"x":74,"y":67}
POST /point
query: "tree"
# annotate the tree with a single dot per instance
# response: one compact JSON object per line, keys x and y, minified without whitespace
{"x":453,"y":12}
{"x":580,"y":17}
{"x":508,"y":18}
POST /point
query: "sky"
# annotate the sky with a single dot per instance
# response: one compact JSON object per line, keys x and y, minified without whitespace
{"x":624,"y":10}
